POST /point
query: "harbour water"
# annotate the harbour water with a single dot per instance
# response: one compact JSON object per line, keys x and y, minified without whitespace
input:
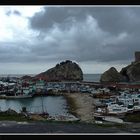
{"x":54,"y":105}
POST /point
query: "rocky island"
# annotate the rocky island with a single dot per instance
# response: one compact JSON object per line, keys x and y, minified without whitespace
{"x":64,"y":71}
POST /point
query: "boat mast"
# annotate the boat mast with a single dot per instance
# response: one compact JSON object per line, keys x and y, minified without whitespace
{"x":42,"y":105}
{"x":43,"y":112}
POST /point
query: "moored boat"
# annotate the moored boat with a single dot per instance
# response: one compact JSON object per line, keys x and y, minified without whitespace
{"x":15,"y":96}
{"x":99,"y":117}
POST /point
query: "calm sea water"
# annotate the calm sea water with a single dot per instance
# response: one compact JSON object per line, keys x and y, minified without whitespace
{"x":86,"y":77}
{"x":91,"y":77}
{"x":54,"y":105}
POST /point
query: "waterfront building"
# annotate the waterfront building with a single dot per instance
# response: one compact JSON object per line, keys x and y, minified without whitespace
{"x":40,"y":86}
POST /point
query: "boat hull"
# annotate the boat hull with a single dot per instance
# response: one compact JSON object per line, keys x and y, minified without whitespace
{"x":16,"y":97}
{"x":99,"y":117}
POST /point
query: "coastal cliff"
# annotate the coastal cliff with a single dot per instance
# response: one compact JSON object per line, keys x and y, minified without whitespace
{"x":66,"y":70}
{"x":111,"y":75}
{"x":130,"y":73}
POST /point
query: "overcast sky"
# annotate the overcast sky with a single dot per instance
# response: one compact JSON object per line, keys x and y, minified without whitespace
{"x":36,"y":38}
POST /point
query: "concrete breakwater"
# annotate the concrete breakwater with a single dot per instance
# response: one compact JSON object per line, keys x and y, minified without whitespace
{"x":82,"y":106}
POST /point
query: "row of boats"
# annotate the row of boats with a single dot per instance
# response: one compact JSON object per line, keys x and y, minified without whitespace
{"x":117,"y":107}
{"x":20,"y":89}
{"x":27,"y":88}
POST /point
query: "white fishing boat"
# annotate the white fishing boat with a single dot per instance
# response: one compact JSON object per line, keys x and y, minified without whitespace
{"x":136,"y":108}
{"x":112,"y":119}
{"x":116,"y":109}
{"x":24,"y":92}
{"x":15,"y":96}
{"x":99,"y":117}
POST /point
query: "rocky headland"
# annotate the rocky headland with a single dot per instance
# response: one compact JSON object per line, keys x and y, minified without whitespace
{"x":111,"y":75}
{"x":130,"y":73}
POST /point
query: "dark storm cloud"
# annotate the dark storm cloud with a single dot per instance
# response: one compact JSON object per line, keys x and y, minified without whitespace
{"x":100,"y":34}
{"x":56,"y":15}
{"x":112,"y":19}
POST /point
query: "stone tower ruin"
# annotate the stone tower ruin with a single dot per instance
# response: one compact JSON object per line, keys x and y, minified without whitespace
{"x":137,"y":56}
